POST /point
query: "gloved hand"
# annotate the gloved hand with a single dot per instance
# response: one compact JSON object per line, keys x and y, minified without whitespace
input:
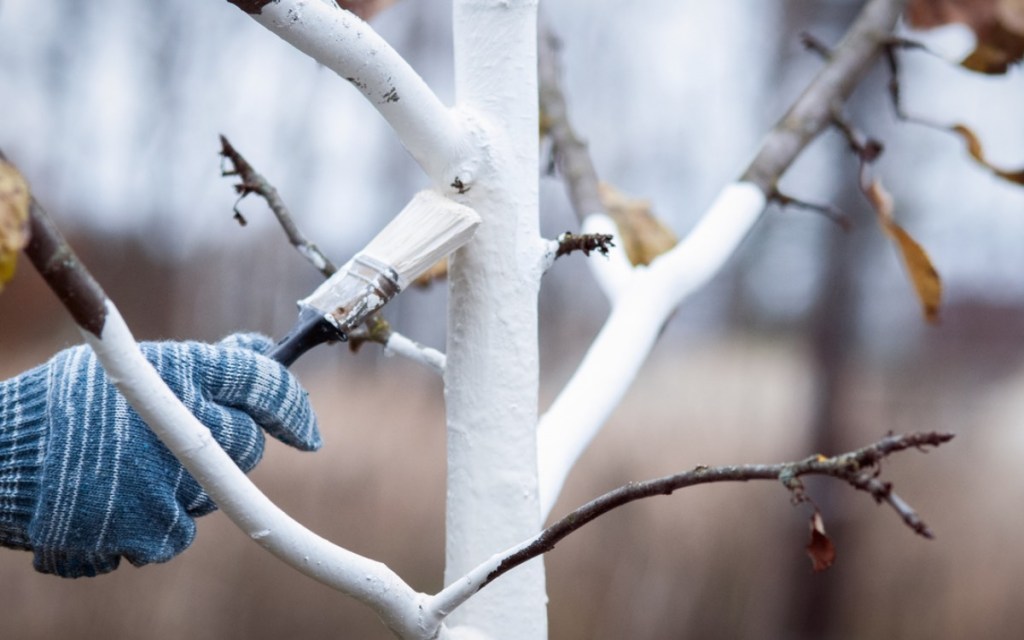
{"x":84,"y":481}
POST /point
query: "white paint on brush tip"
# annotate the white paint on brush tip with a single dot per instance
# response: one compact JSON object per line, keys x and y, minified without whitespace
{"x":426,"y":230}
{"x":430,"y":227}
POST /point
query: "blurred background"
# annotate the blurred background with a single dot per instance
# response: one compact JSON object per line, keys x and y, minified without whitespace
{"x":811,"y":340}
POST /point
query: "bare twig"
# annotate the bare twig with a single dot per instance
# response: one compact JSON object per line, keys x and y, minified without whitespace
{"x":857,"y":468}
{"x":813,"y":44}
{"x":251,"y":181}
{"x":832,"y":212}
{"x":813,"y":111}
{"x":570,"y":152}
{"x":585,"y":242}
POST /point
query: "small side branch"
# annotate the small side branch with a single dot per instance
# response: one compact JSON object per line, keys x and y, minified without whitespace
{"x":831,"y":212}
{"x":586,"y":242}
{"x":859,"y":469}
{"x":812,"y":112}
{"x":251,"y":181}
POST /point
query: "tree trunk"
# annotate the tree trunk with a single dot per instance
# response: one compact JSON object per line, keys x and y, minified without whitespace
{"x":491,"y":383}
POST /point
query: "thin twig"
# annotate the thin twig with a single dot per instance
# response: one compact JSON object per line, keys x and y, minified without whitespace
{"x":858,"y":468}
{"x":832,"y":212}
{"x":813,"y":111}
{"x":586,"y":242}
{"x":251,"y":181}
{"x":813,"y":44}
{"x":570,"y":152}
{"x":376,"y":328}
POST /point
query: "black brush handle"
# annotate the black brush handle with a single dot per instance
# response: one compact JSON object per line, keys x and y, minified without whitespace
{"x":312,"y":328}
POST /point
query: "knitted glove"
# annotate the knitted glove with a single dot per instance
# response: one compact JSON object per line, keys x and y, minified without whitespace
{"x":84,"y":481}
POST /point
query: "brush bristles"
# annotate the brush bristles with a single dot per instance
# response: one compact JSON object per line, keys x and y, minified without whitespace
{"x":427,"y":229}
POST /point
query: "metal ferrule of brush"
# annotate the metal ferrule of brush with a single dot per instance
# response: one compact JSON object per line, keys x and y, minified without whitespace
{"x":367,"y":286}
{"x":338,"y":306}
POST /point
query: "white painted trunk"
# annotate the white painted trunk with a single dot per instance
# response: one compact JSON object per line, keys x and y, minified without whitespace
{"x":491,"y":378}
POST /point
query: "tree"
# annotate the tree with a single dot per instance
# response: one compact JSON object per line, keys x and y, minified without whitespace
{"x":506,"y":464}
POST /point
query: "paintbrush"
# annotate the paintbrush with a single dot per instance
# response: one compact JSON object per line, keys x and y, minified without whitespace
{"x":427,"y":229}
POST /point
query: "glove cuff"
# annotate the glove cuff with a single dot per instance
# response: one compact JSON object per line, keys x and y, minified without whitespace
{"x":23,"y":428}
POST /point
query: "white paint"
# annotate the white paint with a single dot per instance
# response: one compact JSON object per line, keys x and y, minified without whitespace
{"x":642,"y":302}
{"x":491,"y":378}
{"x":348,"y":46}
{"x":399,"y":344}
{"x":371,"y":582}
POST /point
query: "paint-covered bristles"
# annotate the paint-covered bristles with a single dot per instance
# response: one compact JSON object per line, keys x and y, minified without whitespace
{"x":430,"y":227}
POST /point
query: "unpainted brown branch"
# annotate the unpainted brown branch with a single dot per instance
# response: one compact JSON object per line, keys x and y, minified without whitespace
{"x":847,"y":64}
{"x":55,"y":260}
{"x":832,"y":212}
{"x":376,"y":328}
{"x":586,"y":242}
{"x":571,"y":155}
{"x":251,"y":181}
{"x":859,"y":469}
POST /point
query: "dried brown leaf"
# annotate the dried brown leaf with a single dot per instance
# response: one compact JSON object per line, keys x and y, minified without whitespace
{"x":644,"y":236}
{"x":923,"y":275}
{"x":820,"y":548}
{"x":976,"y":151}
{"x":14,"y":205}
{"x":998,"y":26}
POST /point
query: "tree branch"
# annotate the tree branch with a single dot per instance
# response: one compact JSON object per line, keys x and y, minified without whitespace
{"x":192,"y":444}
{"x":570,"y":151}
{"x":253,"y":182}
{"x":867,"y":37}
{"x":648,"y":296}
{"x":857,"y":468}
{"x":439,"y":139}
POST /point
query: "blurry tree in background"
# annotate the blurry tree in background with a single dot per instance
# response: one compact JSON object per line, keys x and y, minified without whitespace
{"x":119,"y":105}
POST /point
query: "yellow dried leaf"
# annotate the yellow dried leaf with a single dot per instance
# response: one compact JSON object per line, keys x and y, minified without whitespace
{"x":923,"y":275}
{"x":644,"y":237}
{"x":974,"y":148}
{"x":14,"y":204}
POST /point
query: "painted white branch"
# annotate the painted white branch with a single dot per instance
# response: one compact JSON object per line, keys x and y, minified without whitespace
{"x":462,"y":589}
{"x":371,"y":582}
{"x":550,"y":254}
{"x":642,"y":302}
{"x":347,"y":45}
{"x":491,"y":381}
{"x":400,"y":345}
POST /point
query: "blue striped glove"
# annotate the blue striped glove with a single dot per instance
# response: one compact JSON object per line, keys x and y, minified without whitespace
{"x":83,"y":481}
